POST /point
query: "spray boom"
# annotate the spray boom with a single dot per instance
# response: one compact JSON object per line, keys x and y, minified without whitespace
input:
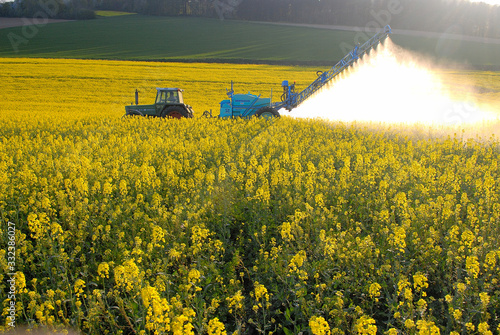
{"x":290,"y":99}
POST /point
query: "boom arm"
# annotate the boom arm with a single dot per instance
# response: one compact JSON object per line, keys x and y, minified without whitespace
{"x":290,"y":99}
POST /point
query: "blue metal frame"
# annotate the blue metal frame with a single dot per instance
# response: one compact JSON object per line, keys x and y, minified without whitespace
{"x":247,"y":111}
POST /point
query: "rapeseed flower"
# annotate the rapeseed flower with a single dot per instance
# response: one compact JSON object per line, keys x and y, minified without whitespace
{"x":319,"y":326}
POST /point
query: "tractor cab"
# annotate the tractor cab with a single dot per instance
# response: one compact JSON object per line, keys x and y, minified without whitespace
{"x":169,"y":95}
{"x":168,"y":104}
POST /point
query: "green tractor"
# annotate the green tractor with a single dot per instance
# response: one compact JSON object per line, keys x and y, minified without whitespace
{"x":169,"y":104}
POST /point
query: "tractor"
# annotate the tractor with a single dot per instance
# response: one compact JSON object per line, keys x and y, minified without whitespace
{"x":168,"y":104}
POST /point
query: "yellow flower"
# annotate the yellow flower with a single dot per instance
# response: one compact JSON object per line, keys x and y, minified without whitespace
{"x":158,"y":236}
{"x":79,"y":286}
{"x":420,"y":281}
{"x":392,"y":331}
{"x":297,"y":261}
{"x":215,"y":327}
{"x":286,"y":231}
{"x":374,"y":290}
{"x":491,"y":260}
{"x":181,"y":325}
{"x":157,"y":309}
{"x":472,"y":266}
{"x":194,"y":276}
{"x":421,"y":305}
{"x":461,"y":287}
{"x":468,"y":238}
{"x":174,"y":254}
{"x":123,"y":187}
{"x":485,"y":299}
{"x":319,"y":326}
{"x":199,"y":236}
{"x":470,"y":326}
{"x":427,"y":328}
{"x":21,"y":282}
{"x":38,"y":225}
{"x":97,"y":293}
{"x":50,"y":294}
{"x":107,"y":188}
{"x":103,"y":270}
{"x":483,"y":328}
{"x":408,"y":294}
{"x":398,"y":238}
{"x":365,"y":326}
{"x":236,"y":301}
{"x":409,"y":324}
{"x":127,"y":275}
{"x":261,"y":292}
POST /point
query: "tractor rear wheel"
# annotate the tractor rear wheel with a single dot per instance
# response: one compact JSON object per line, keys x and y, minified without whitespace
{"x":267,"y":113}
{"x":174,"y":112}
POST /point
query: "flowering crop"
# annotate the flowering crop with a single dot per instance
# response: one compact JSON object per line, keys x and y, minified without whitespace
{"x":208,"y":226}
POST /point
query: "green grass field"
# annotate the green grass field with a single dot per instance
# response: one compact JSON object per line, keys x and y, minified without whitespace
{"x":110,"y":13}
{"x":136,"y":37}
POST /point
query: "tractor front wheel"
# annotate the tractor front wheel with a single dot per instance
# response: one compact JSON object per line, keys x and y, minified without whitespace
{"x":174,"y":112}
{"x":267,"y":113}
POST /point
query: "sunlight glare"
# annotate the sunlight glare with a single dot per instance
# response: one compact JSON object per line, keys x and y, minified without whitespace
{"x":391,"y":85}
{"x":489,"y":2}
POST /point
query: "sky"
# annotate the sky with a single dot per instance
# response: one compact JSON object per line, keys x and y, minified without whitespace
{"x":491,"y":2}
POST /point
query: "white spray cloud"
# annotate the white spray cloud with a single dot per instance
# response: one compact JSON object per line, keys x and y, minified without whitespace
{"x":392,"y":85}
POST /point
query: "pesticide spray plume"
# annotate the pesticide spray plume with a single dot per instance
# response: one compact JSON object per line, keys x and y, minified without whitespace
{"x":392,"y":86}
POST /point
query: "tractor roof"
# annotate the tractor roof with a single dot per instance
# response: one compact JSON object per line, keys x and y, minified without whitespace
{"x":168,"y":89}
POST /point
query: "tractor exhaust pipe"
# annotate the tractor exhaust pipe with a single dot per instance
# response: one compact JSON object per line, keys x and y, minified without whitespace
{"x":136,"y":96}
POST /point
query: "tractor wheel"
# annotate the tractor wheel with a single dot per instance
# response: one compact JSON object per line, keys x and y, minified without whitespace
{"x":174,"y":112}
{"x":267,"y":113}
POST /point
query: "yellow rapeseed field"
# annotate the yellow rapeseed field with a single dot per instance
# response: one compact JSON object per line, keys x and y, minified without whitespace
{"x":100,"y":89}
{"x":116,"y":225}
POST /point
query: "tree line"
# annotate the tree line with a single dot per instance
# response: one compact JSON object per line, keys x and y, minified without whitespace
{"x":54,"y":9}
{"x":455,"y":16}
